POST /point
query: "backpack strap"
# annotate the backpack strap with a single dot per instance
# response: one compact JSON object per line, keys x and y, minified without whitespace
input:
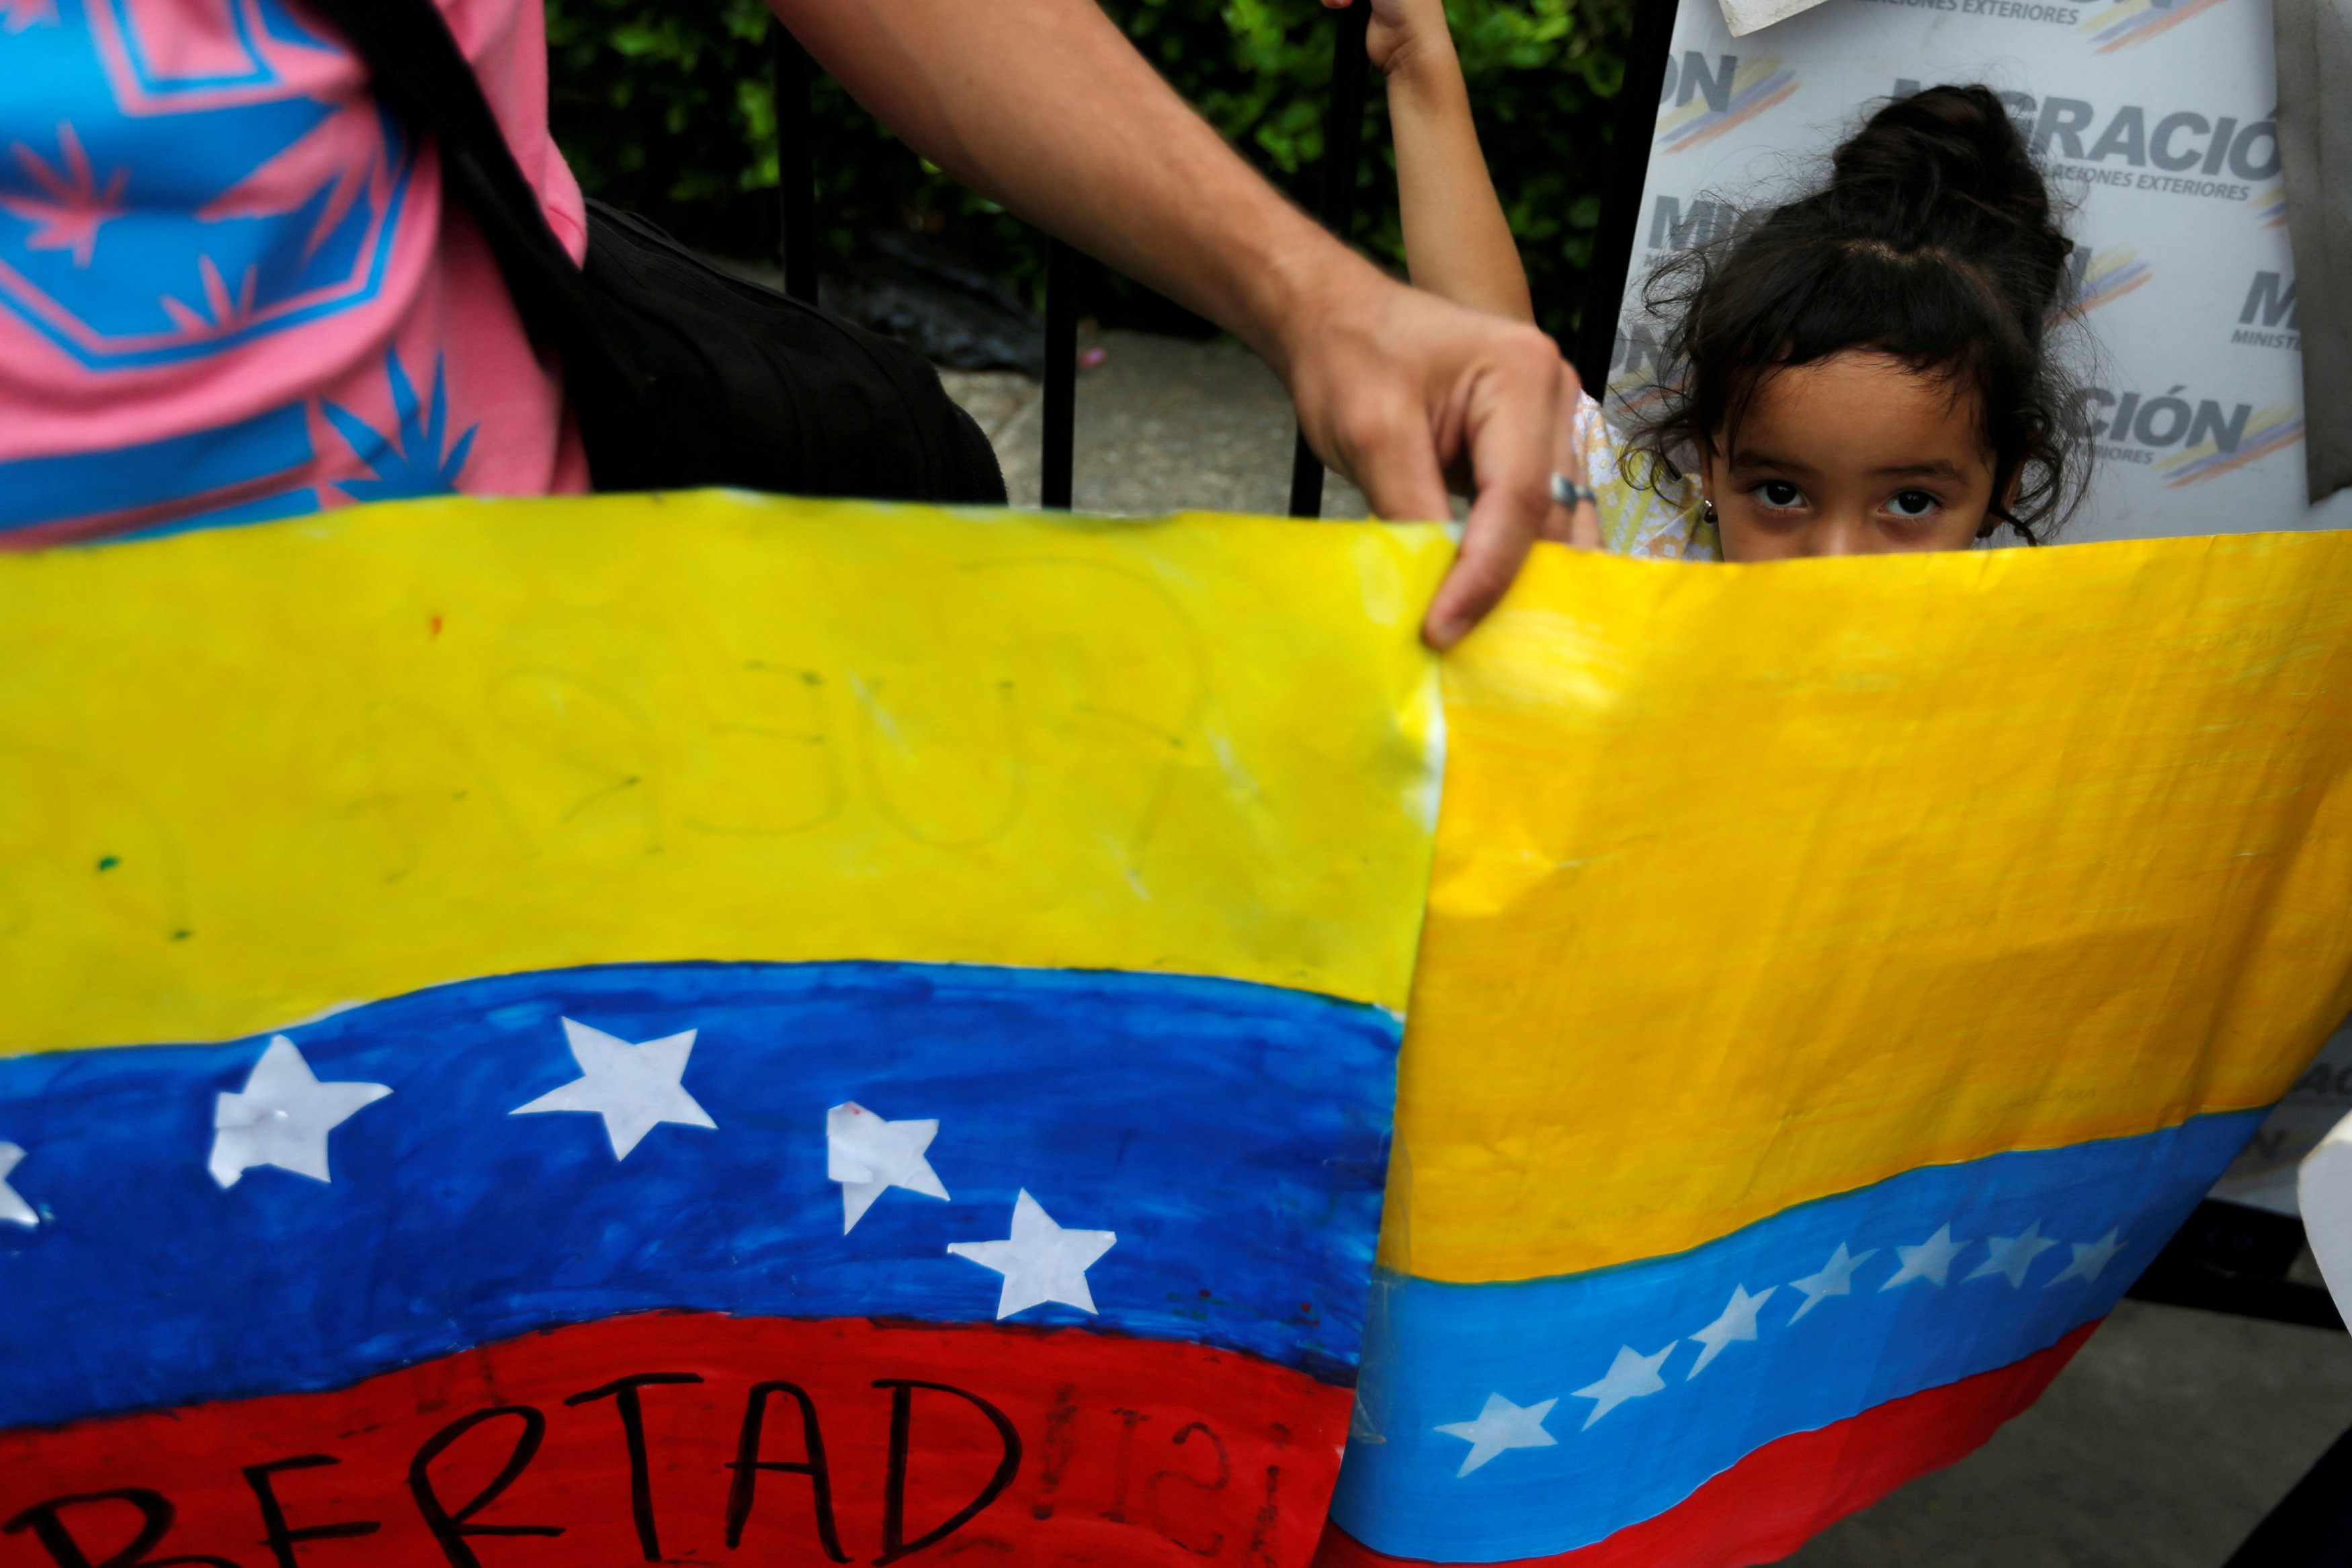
{"x":423,"y":77}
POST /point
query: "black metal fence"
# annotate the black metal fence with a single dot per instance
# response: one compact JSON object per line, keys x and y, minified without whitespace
{"x":1067,"y":270}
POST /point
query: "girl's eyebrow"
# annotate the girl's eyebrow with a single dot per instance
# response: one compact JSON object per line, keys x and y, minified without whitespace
{"x":1940,"y":468}
{"x":1749,"y":457}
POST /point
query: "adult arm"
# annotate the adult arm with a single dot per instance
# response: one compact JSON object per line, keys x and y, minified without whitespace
{"x":1043,"y":106}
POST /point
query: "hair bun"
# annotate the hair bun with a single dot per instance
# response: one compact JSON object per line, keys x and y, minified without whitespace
{"x":1947,"y":168}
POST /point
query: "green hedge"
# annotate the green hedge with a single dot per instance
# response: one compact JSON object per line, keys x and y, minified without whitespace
{"x":667,"y":108}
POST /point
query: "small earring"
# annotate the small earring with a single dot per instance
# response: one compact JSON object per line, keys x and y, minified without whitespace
{"x":1706,"y":511}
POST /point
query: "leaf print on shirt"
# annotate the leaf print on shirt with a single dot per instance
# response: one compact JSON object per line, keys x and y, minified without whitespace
{"x":410,"y":461}
{"x":65,"y":218}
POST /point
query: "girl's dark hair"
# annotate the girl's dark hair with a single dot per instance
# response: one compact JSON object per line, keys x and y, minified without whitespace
{"x":1934,"y":241}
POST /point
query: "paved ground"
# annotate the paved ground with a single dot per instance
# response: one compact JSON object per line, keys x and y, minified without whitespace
{"x":2169,"y":1435}
{"x":1164,"y":425}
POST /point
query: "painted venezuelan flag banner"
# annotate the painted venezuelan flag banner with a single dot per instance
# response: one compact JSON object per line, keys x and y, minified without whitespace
{"x":666,"y":1029}
{"x":554,"y":1032}
{"x":1840,"y":978}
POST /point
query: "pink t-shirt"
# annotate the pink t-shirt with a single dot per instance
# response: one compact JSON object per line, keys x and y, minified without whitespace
{"x":229,"y":288}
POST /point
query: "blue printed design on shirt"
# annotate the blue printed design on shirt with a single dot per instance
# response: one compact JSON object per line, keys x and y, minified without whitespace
{"x":148,"y":218}
{"x":410,"y":461}
{"x":251,"y":470}
{"x":238,"y":465}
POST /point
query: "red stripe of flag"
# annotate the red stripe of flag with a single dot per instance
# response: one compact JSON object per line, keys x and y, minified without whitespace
{"x":674,"y":1435}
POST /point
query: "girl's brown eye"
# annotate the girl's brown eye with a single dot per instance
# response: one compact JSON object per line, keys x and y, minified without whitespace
{"x":1779,"y":493}
{"x":1912,"y":504}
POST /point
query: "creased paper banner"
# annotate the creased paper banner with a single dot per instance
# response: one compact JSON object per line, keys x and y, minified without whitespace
{"x":1839,"y":978}
{"x":676,"y":1025}
{"x":544,"y":1033}
{"x":1744,"y":16}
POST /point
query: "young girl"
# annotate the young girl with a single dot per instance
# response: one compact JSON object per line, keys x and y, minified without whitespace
{"x":1862,"y":369}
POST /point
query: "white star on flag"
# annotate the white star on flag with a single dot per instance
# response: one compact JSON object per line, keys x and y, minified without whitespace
{"x":283,"y":1117}
{"x":868,"y":1156}
{"x":13,"y":1208}
{"x":2012,"y":1256}
{"x":1630,"y":1376}
{"x":636,"y":1088}
{"x":1836,"y":1278}
{"x":1737,"y":1321}
{"x":1501,"y":1424}
{"x":2090,"y":1257}
{"x":1040,"y":1261}
{"x":1930,"y":1261}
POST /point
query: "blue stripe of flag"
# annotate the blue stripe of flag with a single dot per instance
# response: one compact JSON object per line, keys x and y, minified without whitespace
{"x":1233,"y":1137}
{"x":2075,"y":1226}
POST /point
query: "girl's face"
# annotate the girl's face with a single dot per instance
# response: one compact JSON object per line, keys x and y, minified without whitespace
{"x":1853,"y":454}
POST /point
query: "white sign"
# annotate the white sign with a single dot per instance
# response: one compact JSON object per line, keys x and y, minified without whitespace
{"x":2264,"y":1174}
{"x":2157,"y":117}
{"x":2327,"y":1189}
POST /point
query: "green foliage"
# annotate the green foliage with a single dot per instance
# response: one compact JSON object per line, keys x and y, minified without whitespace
{"x":668,"y":109}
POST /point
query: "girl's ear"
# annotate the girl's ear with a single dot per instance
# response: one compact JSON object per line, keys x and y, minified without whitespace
{"x":2005,"y":509}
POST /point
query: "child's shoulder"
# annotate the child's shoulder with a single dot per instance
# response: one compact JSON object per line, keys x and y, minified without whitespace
{"x":1661,"y":521}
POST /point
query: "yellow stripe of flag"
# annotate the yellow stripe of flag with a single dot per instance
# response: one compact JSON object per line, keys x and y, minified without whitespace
{"x":1757,"y":884}
{"x":250,"y":774}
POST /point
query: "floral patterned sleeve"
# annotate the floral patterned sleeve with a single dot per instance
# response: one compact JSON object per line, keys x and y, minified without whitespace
{"x":1661,"y":523}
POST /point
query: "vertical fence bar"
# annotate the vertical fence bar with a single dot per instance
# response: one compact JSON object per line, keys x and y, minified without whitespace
{"x":793,"y":75}
{"x":1632,"y":130}
{"x":1343,"y":137}
{"x":1061,"y":412}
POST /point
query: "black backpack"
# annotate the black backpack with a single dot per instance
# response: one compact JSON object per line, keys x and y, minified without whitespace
{"x":680,"y":375}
